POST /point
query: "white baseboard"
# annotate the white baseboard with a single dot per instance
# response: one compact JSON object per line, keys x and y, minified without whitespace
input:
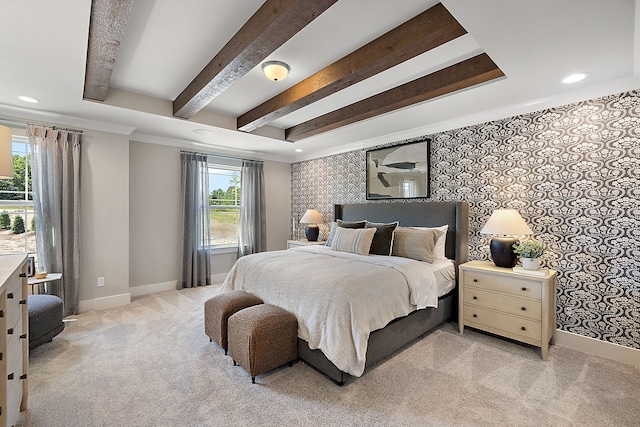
{"x":105,"y":302}
{"x":153,"y":288}
{"x":619,"y":353}
{"x":137,"y":291}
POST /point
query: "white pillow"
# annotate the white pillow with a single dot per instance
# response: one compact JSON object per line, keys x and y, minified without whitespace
{"x":438,"y":251}
{"x":353,"y":240}
{"x":415,"y":243}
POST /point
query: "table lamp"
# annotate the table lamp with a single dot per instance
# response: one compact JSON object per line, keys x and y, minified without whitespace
{"x":312,"y":218}
{"x":503,"y":225}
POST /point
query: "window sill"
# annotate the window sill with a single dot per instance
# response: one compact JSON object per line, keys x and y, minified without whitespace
{"x":224,"y":249}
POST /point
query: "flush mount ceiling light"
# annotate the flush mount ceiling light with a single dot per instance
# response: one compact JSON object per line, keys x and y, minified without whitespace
{"x":574,"y":78}
{"x":275,"y":70}
{"x":200,"y":131}
{"x":28,"y":99}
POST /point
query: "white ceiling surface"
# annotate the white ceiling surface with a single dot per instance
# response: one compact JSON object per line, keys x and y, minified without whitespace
{"x":167,"y":43}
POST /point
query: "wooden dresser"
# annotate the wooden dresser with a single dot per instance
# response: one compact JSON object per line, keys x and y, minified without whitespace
{"x":514,"y":305}
{"x":14,"y":347}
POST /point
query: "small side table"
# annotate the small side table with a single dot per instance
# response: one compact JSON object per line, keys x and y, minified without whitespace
{"x":51,"y":277}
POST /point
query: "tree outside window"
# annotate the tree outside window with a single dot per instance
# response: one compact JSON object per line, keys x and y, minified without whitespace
{"x":17,"y":220}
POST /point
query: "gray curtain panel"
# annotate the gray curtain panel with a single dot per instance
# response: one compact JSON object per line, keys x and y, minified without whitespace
{"x":195,"y":250}
{"x":253,"y":234}
{"x":55,"y":164}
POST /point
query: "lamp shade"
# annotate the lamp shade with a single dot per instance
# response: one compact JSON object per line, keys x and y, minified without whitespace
{"x":6,"y":154}
{"x":275,"y":70}
{"x":506,"y":222}
{"x":311,"y":216}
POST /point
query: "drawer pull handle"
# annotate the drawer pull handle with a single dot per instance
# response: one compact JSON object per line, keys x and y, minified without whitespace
{"x":475,"y":280}
{"x":1,"y":314}
{"x":475,"y":297}
{"x":23,"y":274}
{"x":10,"y":331}
{"x":10,"y":295}
{"x":23,"y":376}
{"x":524,"y":289}
{"x":475,"y":315}
{"x":10,"y":376}
{"x":523,"y":328}
{"x":24,"y":301}
{"x":524,"y":308}
{"x":23,"y":336}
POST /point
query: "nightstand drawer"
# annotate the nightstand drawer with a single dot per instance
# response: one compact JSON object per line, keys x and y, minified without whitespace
{"x":506,"y":303}
{"x":511,"y":284}
{"x":479,"y":317}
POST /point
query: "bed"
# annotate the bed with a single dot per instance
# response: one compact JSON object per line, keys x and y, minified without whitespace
{"x":290,"y":279}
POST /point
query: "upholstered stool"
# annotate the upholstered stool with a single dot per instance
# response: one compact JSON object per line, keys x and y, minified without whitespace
{"x":45,"y":318}
{"x":218,"y":309}
{"x":262,"y":338}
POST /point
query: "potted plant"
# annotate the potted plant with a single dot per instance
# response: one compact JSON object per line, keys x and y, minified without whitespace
{"x":529,"y":251}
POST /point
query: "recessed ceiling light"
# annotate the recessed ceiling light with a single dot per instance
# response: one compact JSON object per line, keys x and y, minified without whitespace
{"x":298,"y":150}
{"x":28,"y":99}
{"x":202,"y":131}
{"x":573,"y":78}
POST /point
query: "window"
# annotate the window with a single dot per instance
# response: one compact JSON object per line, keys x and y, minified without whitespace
{"x":17,"y":227}
{"x":224,"y":202}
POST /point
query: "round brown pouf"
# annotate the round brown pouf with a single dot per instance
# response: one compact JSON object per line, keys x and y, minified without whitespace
{"x":218,"y":309}
{"x":263,"y":337}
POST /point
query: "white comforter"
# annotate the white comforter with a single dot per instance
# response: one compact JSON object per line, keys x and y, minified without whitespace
{"x":338,"y":298}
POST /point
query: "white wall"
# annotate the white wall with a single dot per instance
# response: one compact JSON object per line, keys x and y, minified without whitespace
{"x":154,"y":216}
{"x":104,"y":216}
{"x":277,"y":178}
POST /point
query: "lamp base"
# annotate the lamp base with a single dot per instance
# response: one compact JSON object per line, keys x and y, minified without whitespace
{"x":312,"y":232}
{"x":502,"y":251}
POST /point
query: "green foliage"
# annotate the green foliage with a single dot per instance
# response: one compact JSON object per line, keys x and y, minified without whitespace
{"x":230,"y":197}
{"x":18,"y":225}
{"x":33,"y":224}
{"x":529,"y":249}
{"x":17,"y":183}
{"x":5,"y":221}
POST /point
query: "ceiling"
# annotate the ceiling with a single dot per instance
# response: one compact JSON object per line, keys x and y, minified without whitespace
{"x":166,"y":44}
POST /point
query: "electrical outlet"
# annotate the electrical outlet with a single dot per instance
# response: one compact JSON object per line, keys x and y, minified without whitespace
{"x":100,"y":282}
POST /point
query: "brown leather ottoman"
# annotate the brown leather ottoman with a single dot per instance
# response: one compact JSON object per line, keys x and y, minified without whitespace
{"x":218,"y":309}
{"x":263,"y":337}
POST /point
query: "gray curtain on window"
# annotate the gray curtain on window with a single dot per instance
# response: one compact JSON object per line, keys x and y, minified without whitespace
{"x":195,"y":251}
{"x":55,"y":164}
{"x":253,"y":234}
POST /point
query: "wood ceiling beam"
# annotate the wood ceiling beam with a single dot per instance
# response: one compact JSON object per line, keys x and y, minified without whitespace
{"x":106,"y":29}
{"x":470,"y":72}
{"x":269,"y":28}
{"x":420,"y":34}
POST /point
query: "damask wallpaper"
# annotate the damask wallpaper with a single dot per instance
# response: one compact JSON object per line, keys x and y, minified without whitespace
{"x":573,"y":172}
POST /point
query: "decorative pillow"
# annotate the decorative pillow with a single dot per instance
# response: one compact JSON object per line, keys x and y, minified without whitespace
{"x":383,"y":239}
{"x":416,"y":243}
{"x":438,"y":252}
{"x":353,"y":240}
{"x":343,"y":224}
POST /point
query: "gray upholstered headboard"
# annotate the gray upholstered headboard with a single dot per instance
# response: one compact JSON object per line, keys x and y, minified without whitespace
{"x":418,"y":214}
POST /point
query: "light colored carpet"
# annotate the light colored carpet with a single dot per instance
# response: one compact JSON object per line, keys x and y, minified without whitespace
{"x":150,"y":364}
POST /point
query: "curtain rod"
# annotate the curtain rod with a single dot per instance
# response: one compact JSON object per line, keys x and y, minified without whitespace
{"x":221,"y":156}
{"x":55,"y":127}
{"x":16,"y":122}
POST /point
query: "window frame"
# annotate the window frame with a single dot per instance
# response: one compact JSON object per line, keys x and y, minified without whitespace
{"x":224,"y":164}
{"x":24,"y":206}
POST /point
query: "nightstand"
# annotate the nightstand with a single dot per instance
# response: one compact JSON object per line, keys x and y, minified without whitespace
{"x":513,"y":305}
{"x":294,"y":243}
